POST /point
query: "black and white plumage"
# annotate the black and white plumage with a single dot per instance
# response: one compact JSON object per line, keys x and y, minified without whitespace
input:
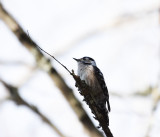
{"x":91,"y":74}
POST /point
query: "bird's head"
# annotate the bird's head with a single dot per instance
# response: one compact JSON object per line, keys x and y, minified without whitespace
{"x":86,"y":61}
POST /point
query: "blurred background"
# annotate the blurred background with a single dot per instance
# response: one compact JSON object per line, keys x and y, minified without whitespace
{"x":123,"y":36}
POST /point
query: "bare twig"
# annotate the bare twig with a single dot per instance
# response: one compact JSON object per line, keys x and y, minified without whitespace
{"x":50,"y":55}
{"x":20,"y":101}
{"x":154,"y":94}
{"x":156,"y":99}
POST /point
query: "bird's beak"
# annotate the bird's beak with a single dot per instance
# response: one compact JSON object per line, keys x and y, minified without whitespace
{"x":76,"y":59}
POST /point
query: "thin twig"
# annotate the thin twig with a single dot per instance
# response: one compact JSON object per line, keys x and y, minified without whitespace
{"x":50,"y":55}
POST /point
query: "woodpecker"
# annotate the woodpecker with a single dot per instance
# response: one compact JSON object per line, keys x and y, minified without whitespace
{"x":93,"y":77}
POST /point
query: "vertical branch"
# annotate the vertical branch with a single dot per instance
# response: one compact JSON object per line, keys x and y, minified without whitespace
{"x":154,"y":94}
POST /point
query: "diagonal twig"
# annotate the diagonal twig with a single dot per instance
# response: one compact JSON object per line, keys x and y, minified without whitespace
{"x":50,"y":55}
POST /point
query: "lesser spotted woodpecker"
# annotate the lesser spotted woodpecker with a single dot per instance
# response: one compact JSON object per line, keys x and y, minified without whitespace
{"x":91,"y":74}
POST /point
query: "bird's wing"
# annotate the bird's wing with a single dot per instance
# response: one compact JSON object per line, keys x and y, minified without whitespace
{"x":102,"y":83}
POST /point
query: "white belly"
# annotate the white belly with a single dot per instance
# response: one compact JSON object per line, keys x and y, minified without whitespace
{"x":87,"y":74}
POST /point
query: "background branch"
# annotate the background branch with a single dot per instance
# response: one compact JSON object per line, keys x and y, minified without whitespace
{"x":15,"y":96}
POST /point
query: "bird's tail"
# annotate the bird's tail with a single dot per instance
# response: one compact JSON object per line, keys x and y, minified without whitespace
{"x":104,"y":112}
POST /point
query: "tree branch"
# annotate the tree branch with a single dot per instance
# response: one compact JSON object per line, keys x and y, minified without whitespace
{"x":20,"y":101}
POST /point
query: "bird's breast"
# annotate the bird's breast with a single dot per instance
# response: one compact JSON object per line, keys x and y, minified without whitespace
{"x":87,"y":74}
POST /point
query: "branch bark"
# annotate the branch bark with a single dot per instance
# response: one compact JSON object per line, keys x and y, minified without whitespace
{"x":45,"y":64}
{"x":15,"y":96}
